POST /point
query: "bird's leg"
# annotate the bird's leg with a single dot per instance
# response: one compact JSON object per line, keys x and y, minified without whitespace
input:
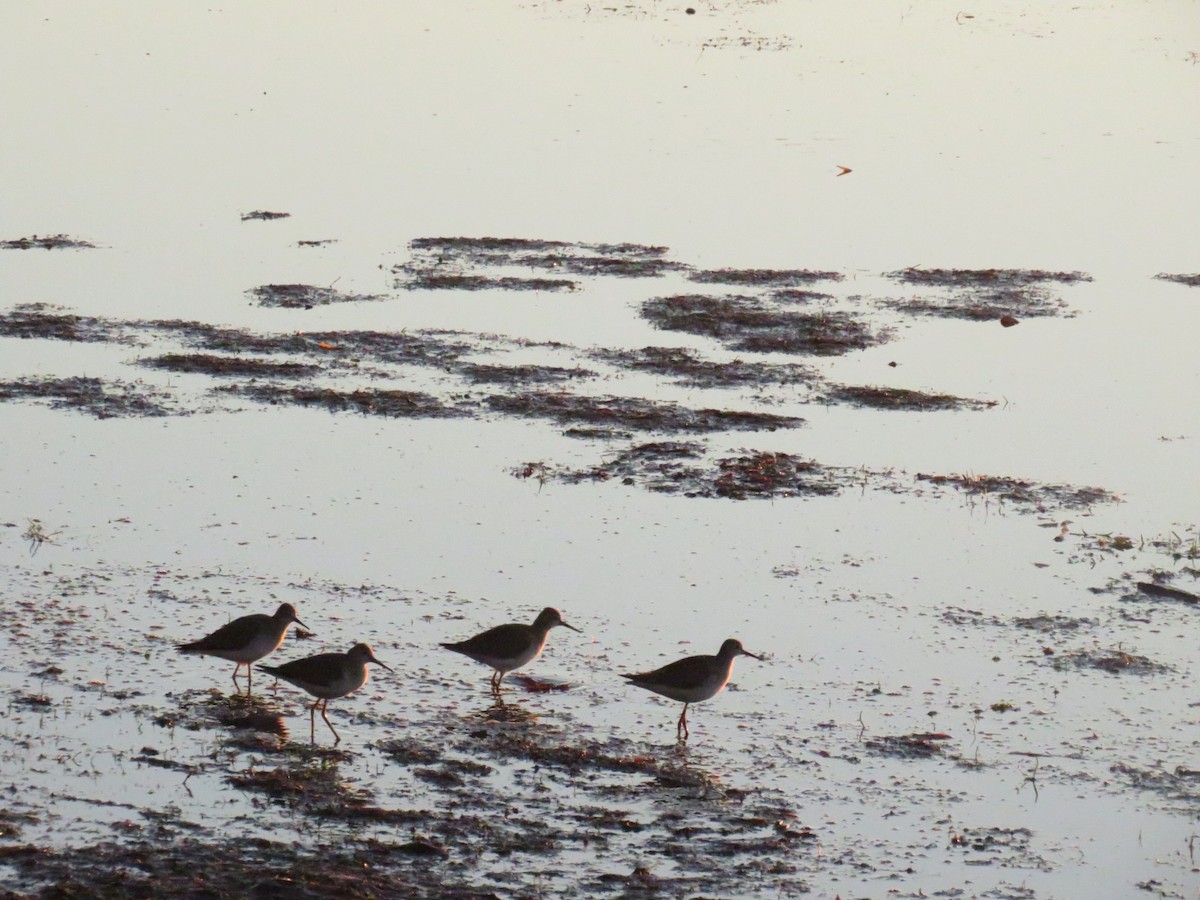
{"x":681,"y":729}
{"x":312,"y":722}
{"x":237,"y":687}
{"x":337,"y":738}
{"x":249,"y":680}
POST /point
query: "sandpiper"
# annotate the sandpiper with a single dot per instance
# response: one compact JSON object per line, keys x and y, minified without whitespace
{"x":692,"y":679}
{"x":246,"y":640}
{"x":508,"y":647}
{"x":327,"y":676}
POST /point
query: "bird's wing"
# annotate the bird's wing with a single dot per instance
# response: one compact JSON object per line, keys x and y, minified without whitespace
{"x":683,"y":673}
{"x":503,"y":640}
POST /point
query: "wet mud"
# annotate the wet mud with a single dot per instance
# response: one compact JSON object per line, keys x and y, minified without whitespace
{"x":473,"y":799}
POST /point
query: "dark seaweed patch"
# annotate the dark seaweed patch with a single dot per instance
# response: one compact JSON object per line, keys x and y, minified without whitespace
{"x":775,"y":278}
{"x":907,"y":746}
{"x":985,"y":294}
{"x":601,"y":265}
{"x":1163,"y":592}
{"x":762,"y":474}
{"x":1023,"y":493}
{"x":447,"y":263}
{"x":1003,"y":847}
{"x":1116,"y":662}
{"x":985,"y":306}
{"x":634,"y":413}
{"x":484,"y":248}
{"x":1189,"y":280}
{"x":303,"y":296}
{"x":797,"y":295}
{"x":1047,"y":624}
{"x":675,"y":467}
{"x":391,"y":403}
{"x":409,"y":751}
{"x":666,"y":466}
{"x":508,"y":251}
{"x":755,"y":325}
{"x":493,"y":374}
{"x":418,"y":348}
{"x":102,"y":399}
{"x":1178,"y":784}
{"x":323,"y":242}
{"x":314,"y":784}
{"x":900,"y":398}
{"x":46,"y":242}
{"x":687,"y":367}
{"x":263,"y":215}
{"x":37,"y":320}
{"x":414,"y":279}
{"x":209,"y":364}
{"x":975,"y":278}
{"x":165,"y":864}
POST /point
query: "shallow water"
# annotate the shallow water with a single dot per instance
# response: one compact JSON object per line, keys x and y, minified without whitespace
{"x":1038,"y":138}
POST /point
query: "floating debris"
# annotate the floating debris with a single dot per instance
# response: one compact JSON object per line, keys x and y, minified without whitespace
{"x":264,"y":215}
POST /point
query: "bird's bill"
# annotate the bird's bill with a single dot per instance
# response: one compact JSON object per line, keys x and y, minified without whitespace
{"x":377,"y":662}
{"x":572,"y":627}
{"x":301,"y":624}
{"x":746,"y":652}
